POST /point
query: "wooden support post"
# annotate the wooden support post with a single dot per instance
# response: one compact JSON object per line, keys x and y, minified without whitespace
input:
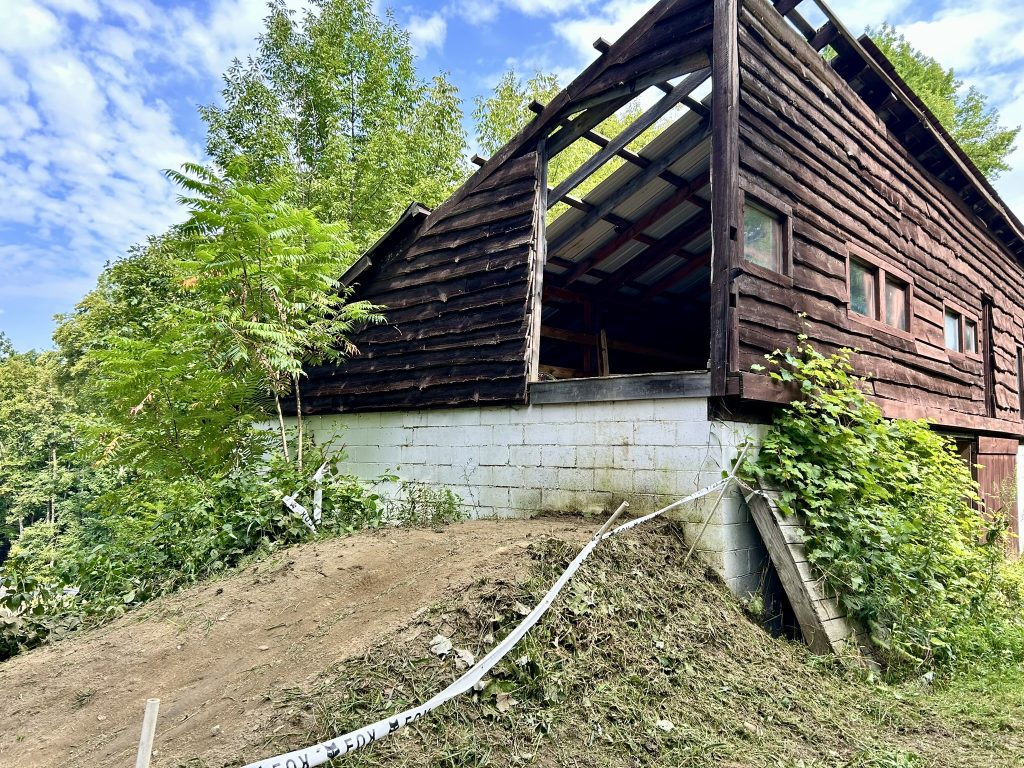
{"x":148,"y":734}
{"x":604,"y":369}
{"x":725,"y":220}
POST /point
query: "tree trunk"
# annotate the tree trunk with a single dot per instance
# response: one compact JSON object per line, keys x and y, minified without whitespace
{"x":280,"y":421}
{"x":299,"y":422}
{"x":51,"y":512}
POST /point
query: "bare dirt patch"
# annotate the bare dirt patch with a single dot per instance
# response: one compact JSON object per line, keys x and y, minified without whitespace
{"x":220,"y":654}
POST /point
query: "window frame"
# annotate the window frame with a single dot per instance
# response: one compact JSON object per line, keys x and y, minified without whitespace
{"x":883,"y":270}
{"x":1020,"y":381}
{"x":965,"y":315}
{"x":772,"y":204}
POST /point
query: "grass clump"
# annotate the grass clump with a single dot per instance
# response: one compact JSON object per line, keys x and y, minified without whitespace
{"x":642,"y":661}
{"x":892,"y":522}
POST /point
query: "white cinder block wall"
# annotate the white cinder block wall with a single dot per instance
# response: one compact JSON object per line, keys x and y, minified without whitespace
{"x":566,"y":457}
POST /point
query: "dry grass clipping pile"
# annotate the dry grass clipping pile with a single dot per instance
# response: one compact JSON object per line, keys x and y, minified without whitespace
{"x":641,"y":662}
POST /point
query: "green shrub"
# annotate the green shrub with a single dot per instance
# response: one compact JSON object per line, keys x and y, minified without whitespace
{"x":419,"y":504}
{"x":892,"y":520}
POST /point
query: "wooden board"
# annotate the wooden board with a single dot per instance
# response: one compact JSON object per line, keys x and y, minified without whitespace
{"x":644,"y":386}
{"x":823,"y":622}
{"x":808,"y":138}
{"x":458,"y":303}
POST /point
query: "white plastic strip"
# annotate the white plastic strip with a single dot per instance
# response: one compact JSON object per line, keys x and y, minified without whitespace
{"x":299,"y":510}
{"x":318,"y":754}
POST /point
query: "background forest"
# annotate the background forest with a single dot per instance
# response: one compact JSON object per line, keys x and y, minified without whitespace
{"x":135,"y":455}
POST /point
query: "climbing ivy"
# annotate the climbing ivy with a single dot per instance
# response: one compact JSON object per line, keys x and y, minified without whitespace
{"x":894,"y":520}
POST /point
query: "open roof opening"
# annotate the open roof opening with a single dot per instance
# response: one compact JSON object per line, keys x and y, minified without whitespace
{"x":626,"y":285}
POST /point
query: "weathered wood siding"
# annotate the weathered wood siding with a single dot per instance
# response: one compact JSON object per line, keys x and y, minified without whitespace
{"x":457,"y":306}
{"x":807,"y":138}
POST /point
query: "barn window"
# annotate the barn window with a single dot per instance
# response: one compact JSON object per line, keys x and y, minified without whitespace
{"x":863,"y":289}
{"x":897,"y":300}
{"x":879,"y":292}
{"x":970,"y":336}
{"x":762,"y":237}
{"x":952,"y":325}
{"x":961,"y":331}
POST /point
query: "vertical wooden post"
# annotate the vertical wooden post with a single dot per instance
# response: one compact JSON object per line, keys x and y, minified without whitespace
{"x":148,"y":733}
{"x":540,"y":255}
{"x":988,"y":349}
{"x":724,"y":182}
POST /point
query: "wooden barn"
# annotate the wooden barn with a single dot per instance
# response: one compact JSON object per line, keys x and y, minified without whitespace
{"x":565,"y":345}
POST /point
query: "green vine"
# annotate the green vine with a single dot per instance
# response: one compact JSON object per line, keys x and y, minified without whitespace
{"x":894,"y":520}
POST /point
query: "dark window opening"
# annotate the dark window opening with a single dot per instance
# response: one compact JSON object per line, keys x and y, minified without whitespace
{"x":897,"y":298}
{"x":1020,"y":381}
{"x":863,"y":289}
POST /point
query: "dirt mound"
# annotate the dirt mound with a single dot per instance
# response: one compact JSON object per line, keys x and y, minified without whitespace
{"x":219,"y":655}
{"x":644,"y":660}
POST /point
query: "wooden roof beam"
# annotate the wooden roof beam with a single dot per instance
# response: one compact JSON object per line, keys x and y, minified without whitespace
{"x":664,"y":86}
{"x":633,"y":185}
{"x":603,"y":141}
{"x":628,"y":134}
{"x":632,"y":157}
{"x":824,"y":35}
{"x":674,"y":278}
{"x":691,"y":62}
{"x":785,"y":6}
{"x":674,"y":243}
{"x":658,"y":212}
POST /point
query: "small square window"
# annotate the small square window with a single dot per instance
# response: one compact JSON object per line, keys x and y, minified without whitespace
{"x":863,"y":289}
{"x":897,"y":299}
{"x":952,"y":326}
{"x":970,"y":336}
{"x":762,"y":237}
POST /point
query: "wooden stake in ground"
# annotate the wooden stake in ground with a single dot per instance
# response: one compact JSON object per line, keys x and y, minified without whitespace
{"x":148,"y":732}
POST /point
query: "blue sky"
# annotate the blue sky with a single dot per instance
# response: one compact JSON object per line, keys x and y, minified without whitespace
{"x":98,"y":96}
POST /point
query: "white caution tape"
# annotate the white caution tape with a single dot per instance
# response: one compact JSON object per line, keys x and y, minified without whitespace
{"x":298,"y":509}
{"x":318,"y":754}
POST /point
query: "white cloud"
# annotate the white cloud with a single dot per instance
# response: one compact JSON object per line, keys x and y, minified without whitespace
{"x":426,"y":32}
{"x":609,"y":22}
{"x":86,"y":129}
{"x":856,"y":15}
{"x":28,"y":27}
{"x":474,"y":11}
{"x":548,"y":7}
{"x":968,"y":37}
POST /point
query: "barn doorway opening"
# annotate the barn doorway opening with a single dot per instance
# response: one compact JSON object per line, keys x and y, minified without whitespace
{"x":627,"y":270}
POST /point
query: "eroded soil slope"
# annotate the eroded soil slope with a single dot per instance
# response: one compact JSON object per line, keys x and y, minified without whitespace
{"x":218,"y":655}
